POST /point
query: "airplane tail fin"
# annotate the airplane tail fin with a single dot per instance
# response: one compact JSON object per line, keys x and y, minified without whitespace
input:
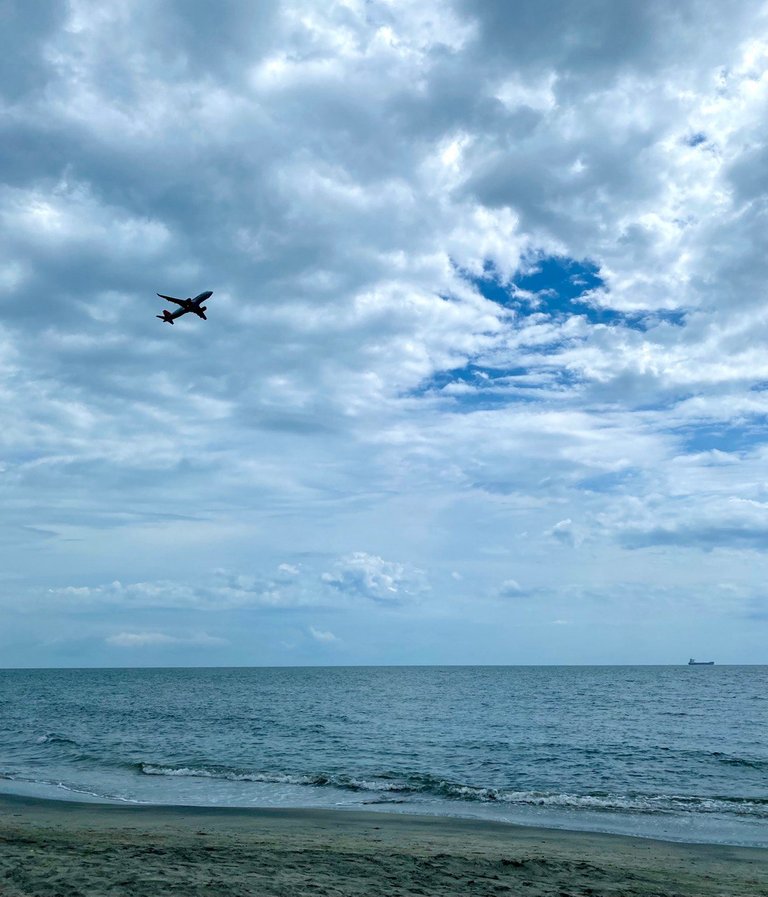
{"x":166,"y":318}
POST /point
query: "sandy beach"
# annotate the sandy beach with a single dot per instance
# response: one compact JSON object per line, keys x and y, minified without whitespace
{"x":52,"y":848}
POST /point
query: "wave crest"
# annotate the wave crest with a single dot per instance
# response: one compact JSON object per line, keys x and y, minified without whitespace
{"x":431,"y":786}
{"x":54,"y":738}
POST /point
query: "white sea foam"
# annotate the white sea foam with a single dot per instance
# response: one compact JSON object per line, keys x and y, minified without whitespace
{"x":149,"y":769}
{"x":429,"y":786}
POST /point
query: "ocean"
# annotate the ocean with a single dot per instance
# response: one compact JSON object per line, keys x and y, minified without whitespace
{"x":672,"y":752}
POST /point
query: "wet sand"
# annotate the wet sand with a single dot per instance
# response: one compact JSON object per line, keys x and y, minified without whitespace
{"x":52,"y":848}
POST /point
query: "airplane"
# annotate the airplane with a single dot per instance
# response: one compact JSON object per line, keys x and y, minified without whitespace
{"x":195,"y":305}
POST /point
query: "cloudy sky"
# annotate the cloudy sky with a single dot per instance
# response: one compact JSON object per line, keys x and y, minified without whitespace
{"x":484,"y":378}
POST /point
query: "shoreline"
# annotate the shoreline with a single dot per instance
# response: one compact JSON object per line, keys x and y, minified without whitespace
{"x":585,"y":824}
{"x":51,"y":847}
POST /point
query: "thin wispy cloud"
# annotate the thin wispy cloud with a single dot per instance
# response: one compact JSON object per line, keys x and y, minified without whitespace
{"x":162,"y":639}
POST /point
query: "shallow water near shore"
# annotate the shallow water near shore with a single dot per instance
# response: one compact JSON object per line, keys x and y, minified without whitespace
{"x":669,"y":752}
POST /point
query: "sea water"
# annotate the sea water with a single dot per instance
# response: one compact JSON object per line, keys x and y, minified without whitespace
{"x":673,"y":752}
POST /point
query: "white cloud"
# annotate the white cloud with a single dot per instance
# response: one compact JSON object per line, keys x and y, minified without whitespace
{"x":338,"y":176}
{"x":159,"y":639}
{"x":510,"y":588}
{"x":216,"y":594}
{"x":709,"y":524}
{"x":322,"y":635}
{"x":565,"y":532}
{"x":370,"y":576}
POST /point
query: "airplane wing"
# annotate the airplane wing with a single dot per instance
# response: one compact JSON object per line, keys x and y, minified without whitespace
{"x":171,"y":299}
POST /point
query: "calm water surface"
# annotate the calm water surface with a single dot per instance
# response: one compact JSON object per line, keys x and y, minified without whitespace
{"x":672,"y":752}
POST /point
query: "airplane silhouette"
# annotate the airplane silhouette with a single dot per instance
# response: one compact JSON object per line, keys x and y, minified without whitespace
{"x":194,"y":305}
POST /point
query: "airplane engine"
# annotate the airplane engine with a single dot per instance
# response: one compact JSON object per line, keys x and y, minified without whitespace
{"x":203,"y":308}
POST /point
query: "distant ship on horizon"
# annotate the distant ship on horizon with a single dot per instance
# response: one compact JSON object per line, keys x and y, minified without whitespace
{"x":700,"y":663}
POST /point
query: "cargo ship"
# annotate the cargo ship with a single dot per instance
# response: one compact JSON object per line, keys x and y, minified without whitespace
{"x":700,"y":663}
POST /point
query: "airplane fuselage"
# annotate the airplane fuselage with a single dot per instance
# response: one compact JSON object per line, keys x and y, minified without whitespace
{"x":185,"y":305}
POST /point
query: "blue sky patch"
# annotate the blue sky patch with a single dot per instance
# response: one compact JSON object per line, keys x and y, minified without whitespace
{"x":563,"y":287}
{"x":487,"y":386}
{"x":548,"y":288}
{"x":734,"y":439}
{"x":696,"y":139}
{"x":491,"y":386}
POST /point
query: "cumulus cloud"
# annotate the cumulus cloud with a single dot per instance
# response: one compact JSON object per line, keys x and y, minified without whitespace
{"x":369,"y":576}
{"x":565,"y":532}
{"x":357,"y":575}
{"x":510,"y":588}
{"x":224,"y":590}
{"x":731,"y":524}
{"x":477,"y":282}
{"x":220,"y":593}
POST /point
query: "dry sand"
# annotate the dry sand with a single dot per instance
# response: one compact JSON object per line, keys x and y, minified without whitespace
{"x":63,"y":849}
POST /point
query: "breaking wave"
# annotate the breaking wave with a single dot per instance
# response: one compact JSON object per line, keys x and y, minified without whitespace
{"x":431,"y":786}
{"x":54,"y":738}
